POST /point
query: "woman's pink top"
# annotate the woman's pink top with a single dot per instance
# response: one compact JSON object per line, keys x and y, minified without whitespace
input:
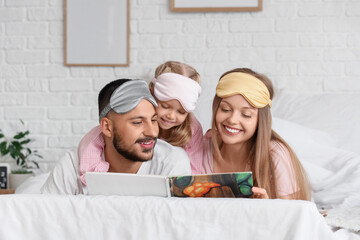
{"x":279,"y":154}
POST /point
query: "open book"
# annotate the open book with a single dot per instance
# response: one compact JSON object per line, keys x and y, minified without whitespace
{"x":234,"y":185}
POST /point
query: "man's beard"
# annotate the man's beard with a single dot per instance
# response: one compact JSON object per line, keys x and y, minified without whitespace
{"x":118,"y":143}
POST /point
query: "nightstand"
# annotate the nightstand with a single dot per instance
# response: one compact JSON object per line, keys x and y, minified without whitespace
{"x":7,"y":191}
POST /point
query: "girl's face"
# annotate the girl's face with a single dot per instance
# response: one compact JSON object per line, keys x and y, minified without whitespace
{"x":170,"y":114}
{"x":236,"y":120}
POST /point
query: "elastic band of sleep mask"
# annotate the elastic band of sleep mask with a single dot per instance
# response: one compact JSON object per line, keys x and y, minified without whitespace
{"x":250,"y":87}
{"x":170,"y":86}
{"x":127,"y":96}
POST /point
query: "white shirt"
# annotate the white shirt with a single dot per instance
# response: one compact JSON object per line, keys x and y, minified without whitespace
{"x":167,"y":160}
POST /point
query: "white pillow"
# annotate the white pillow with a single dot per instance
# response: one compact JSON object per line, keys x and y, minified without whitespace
{"x":337,"y":114}
{"x":309,"y":145}
{"x":32,"y":185}
{"x":294,"y":132}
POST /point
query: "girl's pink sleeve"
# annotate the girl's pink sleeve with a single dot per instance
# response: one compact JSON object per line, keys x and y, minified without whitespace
{"x":194,"y":148}
{"x":90,"y":150}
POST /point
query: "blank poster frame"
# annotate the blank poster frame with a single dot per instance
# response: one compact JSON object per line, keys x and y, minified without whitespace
{"x":96,"y":33}
{"x":215,"y":5}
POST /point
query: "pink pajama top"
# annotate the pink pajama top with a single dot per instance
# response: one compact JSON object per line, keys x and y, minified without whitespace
{"x":90,"y":153}
{"x":279,"y":154}
{"x":194,"y":147}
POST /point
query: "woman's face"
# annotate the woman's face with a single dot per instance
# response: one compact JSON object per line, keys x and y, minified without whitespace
{"x":170,"y":114}
{"x":236,"y":120}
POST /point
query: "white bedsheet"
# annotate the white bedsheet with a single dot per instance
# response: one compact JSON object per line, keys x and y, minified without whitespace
{"x":99,"y":217}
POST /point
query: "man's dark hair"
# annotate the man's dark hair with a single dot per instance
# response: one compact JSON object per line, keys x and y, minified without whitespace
{"x":106,"y":92}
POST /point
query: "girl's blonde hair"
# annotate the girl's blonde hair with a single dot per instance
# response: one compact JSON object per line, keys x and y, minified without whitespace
{"x":261,"y":163}
{"x":179,"y":135}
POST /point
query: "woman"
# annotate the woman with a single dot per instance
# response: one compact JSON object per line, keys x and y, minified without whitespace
{"x":241,"y":138}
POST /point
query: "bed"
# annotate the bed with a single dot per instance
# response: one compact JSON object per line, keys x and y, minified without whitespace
{"x":322,"y":129}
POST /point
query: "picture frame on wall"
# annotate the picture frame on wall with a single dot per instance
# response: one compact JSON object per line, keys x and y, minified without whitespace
{"x":215,"y":5}
{"x":96,"y":33}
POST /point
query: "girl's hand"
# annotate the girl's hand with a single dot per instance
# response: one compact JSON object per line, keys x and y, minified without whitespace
{"x":259,"y":193}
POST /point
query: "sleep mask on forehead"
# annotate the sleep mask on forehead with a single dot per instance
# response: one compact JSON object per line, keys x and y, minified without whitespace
{"x":250,"y":87}
{"x":127,"y":96}
{"x":170,"y":86}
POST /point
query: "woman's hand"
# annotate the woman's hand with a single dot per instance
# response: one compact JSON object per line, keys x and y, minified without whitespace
{"x":259,"y":193}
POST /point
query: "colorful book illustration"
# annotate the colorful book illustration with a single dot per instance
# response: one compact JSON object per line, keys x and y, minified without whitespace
{"x":233,"y":185}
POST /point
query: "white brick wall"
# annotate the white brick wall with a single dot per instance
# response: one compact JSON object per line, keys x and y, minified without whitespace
{"x":302,"y":45}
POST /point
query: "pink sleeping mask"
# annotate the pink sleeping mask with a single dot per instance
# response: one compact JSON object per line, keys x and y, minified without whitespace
{"x":170,"y":86}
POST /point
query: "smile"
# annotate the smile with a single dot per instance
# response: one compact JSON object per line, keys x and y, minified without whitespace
{"x":147,"y":144}
{"x":232,"y":131}
{"x":166,"y":121}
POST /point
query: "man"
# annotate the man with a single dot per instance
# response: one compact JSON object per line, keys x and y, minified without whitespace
{"x":125,"y":141}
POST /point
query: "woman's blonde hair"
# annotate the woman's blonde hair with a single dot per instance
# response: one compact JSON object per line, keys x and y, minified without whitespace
{"x":261,"y":163}
{"x":179,"y":135}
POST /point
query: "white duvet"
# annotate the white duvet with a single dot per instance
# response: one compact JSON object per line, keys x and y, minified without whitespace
{"x":114,"y":217}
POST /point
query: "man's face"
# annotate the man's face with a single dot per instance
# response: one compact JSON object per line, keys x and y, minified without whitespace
{"x":135,"y":132}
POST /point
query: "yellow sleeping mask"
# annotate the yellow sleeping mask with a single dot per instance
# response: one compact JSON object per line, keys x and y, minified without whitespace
{"x":250,"y":87}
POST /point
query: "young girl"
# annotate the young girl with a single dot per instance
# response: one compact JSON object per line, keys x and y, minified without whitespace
{"x":176,"y":87}
{"x":241,"y":138}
